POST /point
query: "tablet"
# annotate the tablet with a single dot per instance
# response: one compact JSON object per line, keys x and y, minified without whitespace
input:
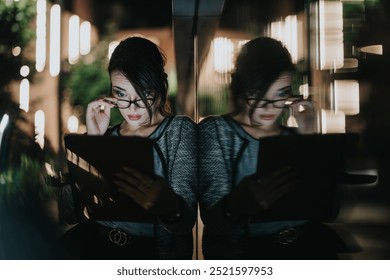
{"x":92,"y":163}
{"x":318,"y":160}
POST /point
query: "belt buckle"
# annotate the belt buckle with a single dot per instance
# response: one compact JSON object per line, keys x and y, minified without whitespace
{"x":118,"y":237}
{"x":288,"y":236}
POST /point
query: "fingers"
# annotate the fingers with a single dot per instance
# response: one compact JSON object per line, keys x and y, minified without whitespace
{"x":101,"y":105}
{"x":142,"y":199}
{"x":142,"y":178}
{"x":131,"y":187}
{"x":267,"y":191}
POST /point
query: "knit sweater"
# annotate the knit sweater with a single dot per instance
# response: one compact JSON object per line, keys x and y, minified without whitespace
{"x":222,"y":146}
{"x":177,"y":150}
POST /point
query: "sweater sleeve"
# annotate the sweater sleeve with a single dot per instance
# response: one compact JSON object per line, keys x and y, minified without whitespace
{"x":216,"y":157}
{"x":179,"y":147}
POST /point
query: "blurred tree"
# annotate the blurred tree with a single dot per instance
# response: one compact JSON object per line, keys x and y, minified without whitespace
{"x":88,"y":78}
{"x":25,"y":229}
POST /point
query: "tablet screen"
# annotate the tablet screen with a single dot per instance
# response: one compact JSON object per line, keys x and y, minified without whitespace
{"x":93,"y":162}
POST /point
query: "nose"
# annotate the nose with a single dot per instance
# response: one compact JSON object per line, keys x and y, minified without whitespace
{"x":133,"y":107}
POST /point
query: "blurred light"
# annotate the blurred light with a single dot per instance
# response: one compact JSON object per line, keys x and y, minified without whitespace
{"x":50,"y":170}
{"x":333,"y":122}
{"x":4,"y":123}
{"x":74,"y":39}
{"x":241,"y":43}
{"x":85,"y":37}
{"x":291,"y":36}
{"x":111,"y":48}
{"x":291,"y":121}
{"x":287,"y":31}
{"x":24,"y":71}
{"x":24,"y":95}
{"x":351,"y":63}
{"x":40,"y":128}
{"x":55,"y":40}
{"x":374,"y":49}
{"x":73,"y":124}
{"x":16,"y":51}
{"x":223,"y":54}
{"x":304,"y":90}
{"x":40,"y":45}
{"x":277,"y":30}
{"x":331,"y":34}
{"x":346,"y":96}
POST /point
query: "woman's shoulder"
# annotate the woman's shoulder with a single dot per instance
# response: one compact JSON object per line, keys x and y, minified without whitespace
{"x":180,"y":124}
{"x":181,"y":120}
{"x":212,"y":120}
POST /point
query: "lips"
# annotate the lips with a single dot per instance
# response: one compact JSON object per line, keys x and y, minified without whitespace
{"x":267,"y":117}
{"x":134,"y":117}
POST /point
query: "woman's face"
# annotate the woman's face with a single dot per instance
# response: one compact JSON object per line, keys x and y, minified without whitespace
{"x":269,"y":112}
{"x":124,"y":91}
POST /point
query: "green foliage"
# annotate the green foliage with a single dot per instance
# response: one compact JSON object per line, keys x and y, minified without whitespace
{"x":15,"y":21}
{"x":24,"y":180}
{"x":15,"y":30}
{"x":89,"y":79}
{"x":87,"y":82}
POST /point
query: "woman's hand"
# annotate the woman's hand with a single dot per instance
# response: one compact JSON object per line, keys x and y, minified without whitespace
{"x":253,"y":195}
{"x":152,"y":194}
{"x":304,"y":113}
{"x":98,"y":115}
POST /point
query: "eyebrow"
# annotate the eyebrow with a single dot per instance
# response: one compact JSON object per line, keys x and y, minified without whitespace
{"x":286,"y":87}
{"x":116,"y":87}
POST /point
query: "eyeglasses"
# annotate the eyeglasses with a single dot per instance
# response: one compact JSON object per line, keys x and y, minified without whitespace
{"x":261,"y":103}
{"x":124,"y":104}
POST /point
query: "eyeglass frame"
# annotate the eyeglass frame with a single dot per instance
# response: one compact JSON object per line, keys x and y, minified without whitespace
{"x":267,"y":101}
{"x":135,"y":102}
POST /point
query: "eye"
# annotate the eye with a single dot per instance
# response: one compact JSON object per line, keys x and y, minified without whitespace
{"x":118,"y":93}
{"x":283,"y":93}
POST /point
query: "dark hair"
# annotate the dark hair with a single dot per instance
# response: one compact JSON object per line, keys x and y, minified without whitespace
{"x":260,"y":62}
{"x":142,"y":63}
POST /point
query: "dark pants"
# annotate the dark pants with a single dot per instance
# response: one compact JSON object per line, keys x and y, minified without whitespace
{"x":90,"y":240}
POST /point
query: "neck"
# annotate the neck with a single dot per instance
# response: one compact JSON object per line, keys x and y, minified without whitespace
{"x":255,"y":130}
{"x":141,"y":130}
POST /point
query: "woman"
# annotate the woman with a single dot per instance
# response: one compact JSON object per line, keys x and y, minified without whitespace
{"x":230,"y":192}
{"x":139,"y":90}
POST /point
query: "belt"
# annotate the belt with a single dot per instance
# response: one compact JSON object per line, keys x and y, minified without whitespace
{"x":115,"y":236}
{"x":287,"y":236}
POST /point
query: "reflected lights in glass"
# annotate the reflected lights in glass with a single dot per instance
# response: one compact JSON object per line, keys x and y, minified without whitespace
{"x":73,"y":124}
{"x":287,"y":31}
{"x":332,"y":122}
{"x":74,"y":39}
{"x":374,"y":49}
{"x":40,"y":45}
{"x":24,"y":95}
{"x":223,"y":54}
{"x":85,"y":37}
{"x":55,"y":40}
{"x":331,"y":46}
{"x":346,"y":96}
{"x":304,"y":90}
{"x":40,"y":128}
